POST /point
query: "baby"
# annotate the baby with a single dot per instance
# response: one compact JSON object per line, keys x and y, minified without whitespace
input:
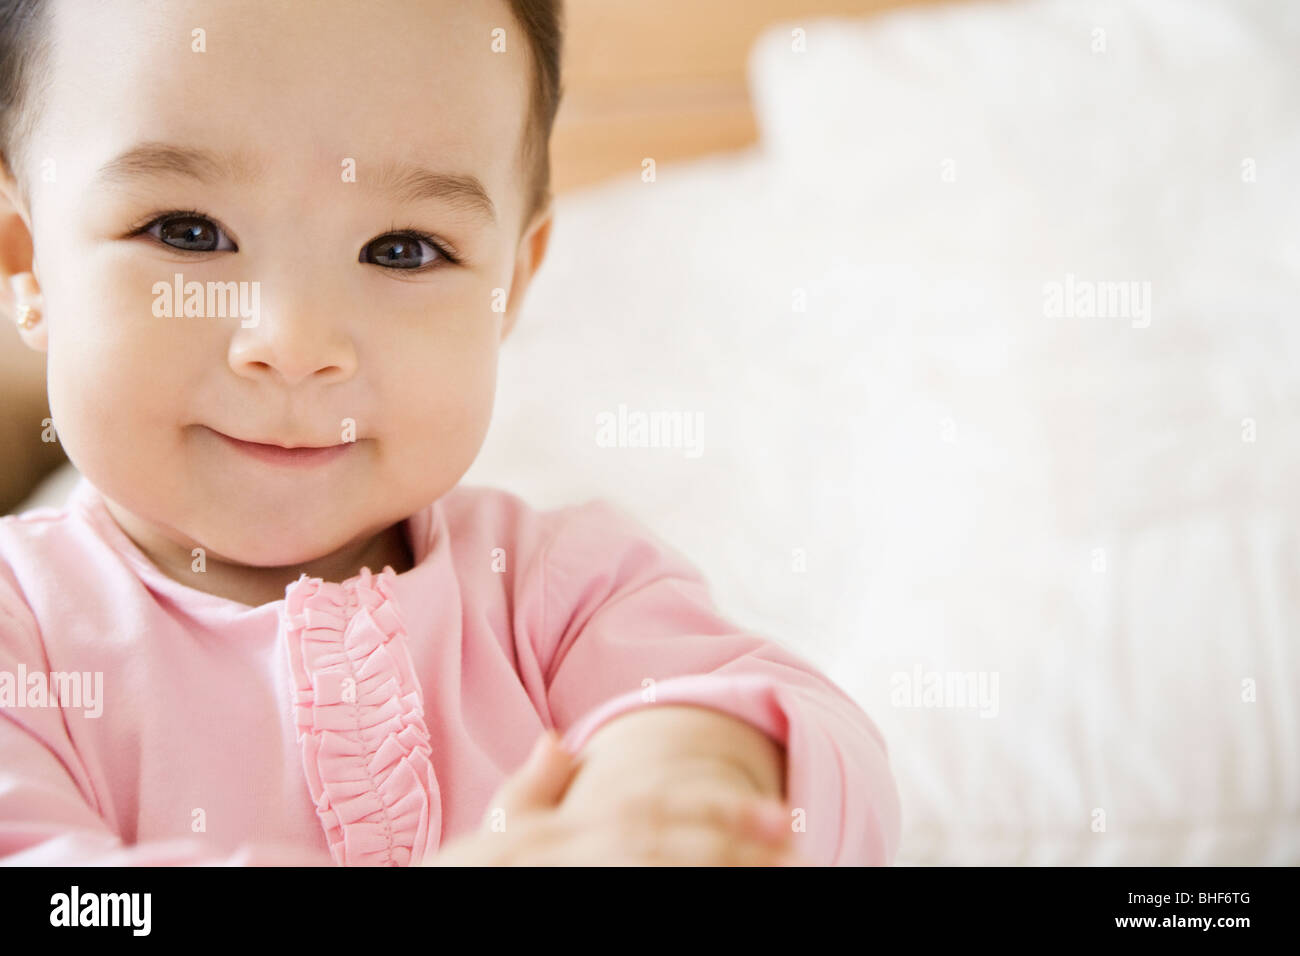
{"x":271,"y":252}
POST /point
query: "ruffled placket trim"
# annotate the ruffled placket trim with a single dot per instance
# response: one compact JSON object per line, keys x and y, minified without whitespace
{"x":360,"y":720}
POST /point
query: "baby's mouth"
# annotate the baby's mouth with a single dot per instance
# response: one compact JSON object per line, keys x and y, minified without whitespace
{"x":274,"y":453}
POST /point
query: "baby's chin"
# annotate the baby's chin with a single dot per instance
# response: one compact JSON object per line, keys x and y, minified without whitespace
{"x":263,"y":554}
{"x":239,"y":532}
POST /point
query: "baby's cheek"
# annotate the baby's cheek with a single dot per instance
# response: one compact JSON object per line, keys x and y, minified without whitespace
{"x":103,"y":408}
{"x":455,"y":423}
{"x":444,"y":422}
{"x":116,"y":373}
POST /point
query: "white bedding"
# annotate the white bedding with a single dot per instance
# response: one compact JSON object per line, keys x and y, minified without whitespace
{"x":1067,"y":505}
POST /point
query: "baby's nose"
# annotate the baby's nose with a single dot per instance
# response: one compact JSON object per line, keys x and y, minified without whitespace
{"x":293,"y":343}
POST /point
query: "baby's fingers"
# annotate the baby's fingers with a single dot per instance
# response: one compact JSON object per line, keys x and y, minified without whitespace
{"x":610,"y":842}
{"x":538,"y":784}
{"x":701,"y":844}
{"x":746,"y":816}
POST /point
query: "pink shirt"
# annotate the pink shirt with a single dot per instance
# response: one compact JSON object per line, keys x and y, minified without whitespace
{"x":366,"y":722}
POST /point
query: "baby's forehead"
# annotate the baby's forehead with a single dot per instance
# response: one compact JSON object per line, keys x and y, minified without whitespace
{"x":433,"y":84}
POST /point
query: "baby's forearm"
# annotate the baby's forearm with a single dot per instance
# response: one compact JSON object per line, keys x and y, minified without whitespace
{"x":682,"y":735}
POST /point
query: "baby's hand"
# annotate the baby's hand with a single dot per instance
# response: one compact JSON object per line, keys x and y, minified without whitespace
{"x":697,"y":815}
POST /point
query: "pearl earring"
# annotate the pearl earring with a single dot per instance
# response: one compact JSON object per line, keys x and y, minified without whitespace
{"x":28,"y":316}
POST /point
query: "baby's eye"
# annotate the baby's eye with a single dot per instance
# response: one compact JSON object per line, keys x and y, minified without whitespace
{"x":191,"y":234}
{"x":403,"y":251}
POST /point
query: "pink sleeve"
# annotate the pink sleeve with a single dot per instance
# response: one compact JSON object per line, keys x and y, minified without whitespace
{"x":47,"y":811}
{"x":629,"y":623}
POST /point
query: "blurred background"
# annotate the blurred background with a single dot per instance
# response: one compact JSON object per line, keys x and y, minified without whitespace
{"x":964,"y":339}
{"x":665,"y":80}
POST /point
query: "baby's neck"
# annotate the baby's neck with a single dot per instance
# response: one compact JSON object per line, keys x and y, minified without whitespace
{"x":256,"y":586}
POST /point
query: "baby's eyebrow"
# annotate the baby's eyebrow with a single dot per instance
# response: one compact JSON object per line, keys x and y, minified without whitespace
{"x":164,"y":159}
{"x":406,"y":182}
{"x":411,"y":182}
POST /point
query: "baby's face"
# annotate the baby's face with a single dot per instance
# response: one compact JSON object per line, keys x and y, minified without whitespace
{"x":325,"y":133}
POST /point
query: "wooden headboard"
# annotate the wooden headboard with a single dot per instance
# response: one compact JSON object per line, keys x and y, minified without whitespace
{"x":664,"y":78}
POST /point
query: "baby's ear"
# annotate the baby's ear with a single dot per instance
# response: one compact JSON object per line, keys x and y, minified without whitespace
{"x":528,"y":258}
{"x":16,"y":254}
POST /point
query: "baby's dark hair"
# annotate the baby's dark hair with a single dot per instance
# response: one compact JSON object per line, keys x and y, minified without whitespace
{"x":25,"y":55}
